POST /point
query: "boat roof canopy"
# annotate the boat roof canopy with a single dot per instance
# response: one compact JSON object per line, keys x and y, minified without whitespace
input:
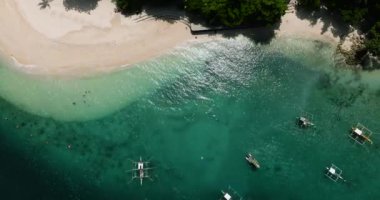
{"x":227,"y":196}
{"x":140,"y":165}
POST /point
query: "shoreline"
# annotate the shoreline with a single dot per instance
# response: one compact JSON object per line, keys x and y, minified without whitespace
{"x":74,"y":43}
{"x":71,"y":43}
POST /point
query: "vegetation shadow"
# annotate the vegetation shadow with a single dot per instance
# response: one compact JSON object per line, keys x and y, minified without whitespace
{"x":44,"y":4}
{"x":259,"y":33}
{"x":80,"y":5}
{"x":170,"y":11}
{"x":330,"y":20}
{"x":170,"y":14}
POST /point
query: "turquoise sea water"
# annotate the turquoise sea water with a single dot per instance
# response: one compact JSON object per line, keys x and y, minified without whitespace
{"x":194,"y":113}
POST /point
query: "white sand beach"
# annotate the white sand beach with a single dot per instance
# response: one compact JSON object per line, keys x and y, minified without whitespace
{"x":59,"y":41}
{"x":55,"y":40}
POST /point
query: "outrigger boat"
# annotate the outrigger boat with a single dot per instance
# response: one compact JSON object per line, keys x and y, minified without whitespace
{"x":361,"y":134}
{"x":304,"y":122}
{"x":334,"y":173}
{"x":251,"y":160}
{"x":231,"y":194}
{"x":140,"y":170}
{"x":226,"y":196}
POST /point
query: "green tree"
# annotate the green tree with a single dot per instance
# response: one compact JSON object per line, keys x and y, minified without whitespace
{"x":354,"y":16}
{"x":238,"y":12}
{"x":310,"y":4}
{"x":373,"y":39}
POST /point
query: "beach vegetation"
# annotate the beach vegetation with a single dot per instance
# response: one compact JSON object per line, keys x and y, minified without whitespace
{"x":310,"y":4}
{"x":229,"y":13}
{"x":234,"y":13}
{"x":373,"y":39}
{"x":361,"y":14}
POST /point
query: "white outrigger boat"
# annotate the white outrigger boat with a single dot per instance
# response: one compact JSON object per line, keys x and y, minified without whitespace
{"x":334,"y":173}
{"x":361,"y":134}
{"x":230,"y":194}
{"x":140,"y":170}
{"x":226,"y":196}
{"x":251,"y":160}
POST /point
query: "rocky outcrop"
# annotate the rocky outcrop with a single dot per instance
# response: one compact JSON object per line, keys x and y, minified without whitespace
{"x":352,"y":47}
{"x":356,"y":55}
{"x":370,"y":62}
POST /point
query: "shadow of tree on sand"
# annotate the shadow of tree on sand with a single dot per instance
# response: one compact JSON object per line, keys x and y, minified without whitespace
{"x":171,"y":11}
{"x":81,"y":5}
{"x":78,"y":5}
{"x":259,"y":33}
{"x":175,"y":13}
{"x":170,"y":14}
{"x":44,"y":4}
{"x":330,"y":20}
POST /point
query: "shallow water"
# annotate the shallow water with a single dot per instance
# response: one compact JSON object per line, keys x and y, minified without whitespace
{"x":194,"y":113}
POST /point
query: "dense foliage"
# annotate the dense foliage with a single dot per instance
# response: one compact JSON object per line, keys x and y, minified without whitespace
{"x":222,"y":12}
{"x":373,"y":39}
{"x":237,"y":12}
{"x":363,"y":14}
{"x":310,"y":4}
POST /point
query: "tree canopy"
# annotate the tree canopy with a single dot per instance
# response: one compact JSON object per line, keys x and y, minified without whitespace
{"x":363,"y":14}
{"x":222,"y":12}
{"x":238,"y":12}
{"x":373,"y":39}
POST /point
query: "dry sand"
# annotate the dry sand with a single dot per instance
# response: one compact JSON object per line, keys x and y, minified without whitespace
{"x":59,"y":41}
{"x":56,"y":41}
